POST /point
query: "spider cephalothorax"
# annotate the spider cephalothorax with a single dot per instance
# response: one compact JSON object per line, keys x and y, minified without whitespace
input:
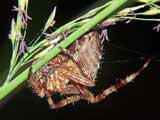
{"x":73,"y":71}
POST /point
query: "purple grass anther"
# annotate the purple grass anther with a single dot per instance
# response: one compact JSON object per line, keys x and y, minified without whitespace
{"x":24,"y":16}
{"x":23,"y":47}
{"x":104,"y":35}
{"x":22,"y":44}
{"x":66,"y":33}
{"x":50,"y":36}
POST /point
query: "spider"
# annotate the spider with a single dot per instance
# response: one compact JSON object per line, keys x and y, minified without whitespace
{"x":73,"y":72}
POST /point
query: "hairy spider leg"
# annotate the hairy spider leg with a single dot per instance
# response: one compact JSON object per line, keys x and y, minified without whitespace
{"x":93,"y":99}
{"x":69,"y":89}
{"x":87,"y":95}
{"x":66,"y":101}
{"x":84,"y":80}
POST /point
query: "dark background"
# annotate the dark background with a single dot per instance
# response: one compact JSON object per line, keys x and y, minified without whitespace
{"x":138,"y":100}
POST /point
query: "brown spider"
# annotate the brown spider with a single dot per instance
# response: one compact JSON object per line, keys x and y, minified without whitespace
{"x":73,"y":71}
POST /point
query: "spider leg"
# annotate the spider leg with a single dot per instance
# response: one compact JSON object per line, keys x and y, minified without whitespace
{"x":66,"y":101}
{"x":70,"y":89}
{"x":88,"y":79}
{"x":79,"y":79}
{"x":30,"y":77}
{"x":93,"y":99}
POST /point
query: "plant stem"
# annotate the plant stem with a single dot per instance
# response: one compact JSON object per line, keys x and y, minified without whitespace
{"x":107,"y":12}
{"x":141,"y":19}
